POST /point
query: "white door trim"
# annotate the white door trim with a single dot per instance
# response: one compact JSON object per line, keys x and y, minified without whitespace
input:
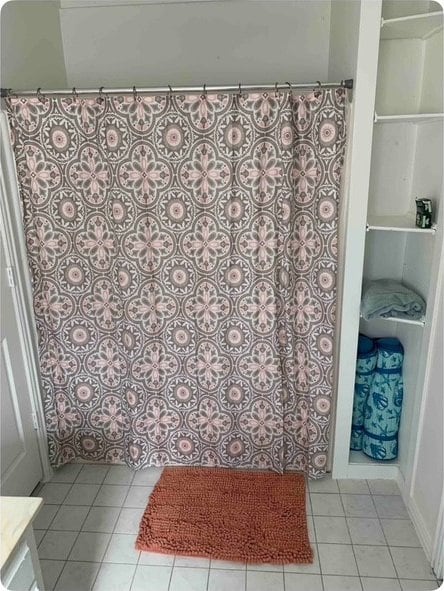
{"x":15,"y":253}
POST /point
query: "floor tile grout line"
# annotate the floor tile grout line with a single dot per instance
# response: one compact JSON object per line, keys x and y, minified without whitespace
{"x":385,"y":538}
{"x":65,"y":559}
{"x":353,"y":550}
{"x":317,"y":548}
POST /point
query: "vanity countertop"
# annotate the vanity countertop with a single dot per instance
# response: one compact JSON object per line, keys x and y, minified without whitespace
{"x":16,"y":513}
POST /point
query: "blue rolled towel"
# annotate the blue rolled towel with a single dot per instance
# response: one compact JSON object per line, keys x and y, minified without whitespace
{"x":386,"y":298}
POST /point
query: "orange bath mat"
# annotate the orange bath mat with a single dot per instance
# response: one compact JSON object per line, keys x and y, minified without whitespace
{"x":235,"y":515}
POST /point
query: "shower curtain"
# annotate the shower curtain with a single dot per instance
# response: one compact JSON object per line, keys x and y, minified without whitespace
{"x":183,"y":254}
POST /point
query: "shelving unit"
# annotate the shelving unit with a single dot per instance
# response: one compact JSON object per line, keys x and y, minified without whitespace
{"x":409,"y":118}
{"x":393,"y":223}
{"x":406,"y":163}
{"x":419,"y":322}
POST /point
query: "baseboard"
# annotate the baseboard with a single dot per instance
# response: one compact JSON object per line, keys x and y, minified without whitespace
{"x":421,"y":529}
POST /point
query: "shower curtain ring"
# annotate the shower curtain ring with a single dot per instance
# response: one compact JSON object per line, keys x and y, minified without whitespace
{"x":74,"y":93}
{"x":40,"y":96}
{"x":134,"y":94}
{"x":290,"y":88}
{"x":239,"y":94}
{"x":170,"y":91}
{"x":101,"y":99}
{"x":204,"y":91}
{"x":276,"y":91}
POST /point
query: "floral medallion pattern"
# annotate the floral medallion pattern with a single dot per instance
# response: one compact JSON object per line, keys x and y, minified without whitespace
{"x":183,"y":251}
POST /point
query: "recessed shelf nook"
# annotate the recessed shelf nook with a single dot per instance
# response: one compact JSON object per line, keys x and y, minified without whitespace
{"x":416,"y":26}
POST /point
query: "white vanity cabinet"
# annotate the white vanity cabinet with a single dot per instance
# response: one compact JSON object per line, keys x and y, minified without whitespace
{"x":19,"y":562}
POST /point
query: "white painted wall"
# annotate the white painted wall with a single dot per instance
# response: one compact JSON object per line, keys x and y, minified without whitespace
{"x":344,"y":38}
{"x":427,"y":484}
{"x":196,"y":42}
{"x":31,"y":45}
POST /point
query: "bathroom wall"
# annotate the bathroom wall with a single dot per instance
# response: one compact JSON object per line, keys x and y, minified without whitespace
{"x":184,"y":43}
{"x":31,"y":45}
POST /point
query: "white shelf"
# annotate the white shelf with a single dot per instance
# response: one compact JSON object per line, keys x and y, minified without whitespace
{"x":419,"y":322}
{"x":409,"y":118}
{"x":401,"y":223}
{"x":417,"y":26}
{"x":361,"y":466}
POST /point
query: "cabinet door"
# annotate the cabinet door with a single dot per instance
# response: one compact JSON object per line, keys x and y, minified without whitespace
{"x":21,"y":468}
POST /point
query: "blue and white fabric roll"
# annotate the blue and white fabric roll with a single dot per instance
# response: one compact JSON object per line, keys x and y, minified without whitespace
{"x":365,"y":367}
{"x":384,"y":402}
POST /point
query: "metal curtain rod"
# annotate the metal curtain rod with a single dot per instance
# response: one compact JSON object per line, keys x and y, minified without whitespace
{"x":177,"y":90}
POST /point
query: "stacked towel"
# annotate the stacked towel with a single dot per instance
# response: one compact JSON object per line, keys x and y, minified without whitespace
{"x":386,"y":298}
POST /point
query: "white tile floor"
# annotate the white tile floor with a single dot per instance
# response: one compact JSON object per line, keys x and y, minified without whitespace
{"x":360,"y":532}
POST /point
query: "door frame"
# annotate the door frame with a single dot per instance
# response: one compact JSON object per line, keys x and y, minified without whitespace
{"x":16,"y":258}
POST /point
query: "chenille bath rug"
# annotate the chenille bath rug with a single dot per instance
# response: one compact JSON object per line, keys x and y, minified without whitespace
{"x":244,"y":516}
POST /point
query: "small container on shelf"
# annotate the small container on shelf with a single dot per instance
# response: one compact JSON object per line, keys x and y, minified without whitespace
{"x":424,"y":213}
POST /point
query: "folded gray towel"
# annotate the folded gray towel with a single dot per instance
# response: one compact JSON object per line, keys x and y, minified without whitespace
{"x":386,"y":298}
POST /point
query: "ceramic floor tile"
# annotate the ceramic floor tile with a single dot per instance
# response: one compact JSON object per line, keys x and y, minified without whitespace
{"x":119,"y":475}
{"x":326,"y":504}
{"x":337,"y":559}
{"x":129,"y":521}
{"x":366,"y":530}
{"x":356,"y":487}
{"x":227,"y":564}
{"x":77,"y":576}
{"x":376,"y":584}
{"x":152,"y":578}
{"x":67,"y":473}
{"x":45,"y":516}
{"x":138,"y":496}
{"x":101,"y":519}
{"x":307,"y":569}
{"x":189,"y":579}
{"x":92,"y":474}
{"x":390,"y":507}
{"x":111,"y":495}
{"x":147,"y":477}
{"x":400,"y":532}
{"x":122,"y":549}
{"x":341,"y":583}
{"x":90,"y":547}
{"x":416,"y":585}
{"x":358,"y":505}
{"x":51,"y":570}
{"x":264,"y":581}
{"x":54,"y":493}
{"x":224,"y":580}
{"x":331,"y":530}
{"x":411,"y":563}
{"x":311,"y":529}
{"x":277,"y":568}
{"x":383,"y":487}
{"x":155,"y":559}
{"x":192,"y":561}
{"x":57,"y":545}
{"x":323,"y":485}
{"x":374,"y":561}
{"x":300,"y":582}
{"x":69,"y":518}
{"x":114,"y":577}
{"x":82,"y":494}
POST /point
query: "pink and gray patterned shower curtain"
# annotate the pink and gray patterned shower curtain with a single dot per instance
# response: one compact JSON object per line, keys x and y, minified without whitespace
{"x":183,"y":252}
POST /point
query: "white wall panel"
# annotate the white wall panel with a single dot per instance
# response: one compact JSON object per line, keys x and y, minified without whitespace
{"x":196,"y":42}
